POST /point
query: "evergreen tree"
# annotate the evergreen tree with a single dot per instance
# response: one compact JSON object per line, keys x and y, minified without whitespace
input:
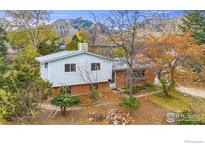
{"x":194,"y":21}
{"x":79,"y":37}
{"x":3,"y":51}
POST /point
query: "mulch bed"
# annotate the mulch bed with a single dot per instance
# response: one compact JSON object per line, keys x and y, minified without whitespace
{"x":147,"y":114}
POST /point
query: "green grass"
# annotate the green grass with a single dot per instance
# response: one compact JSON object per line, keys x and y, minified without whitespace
{"x":146,"y":88}
{"x":177,"y":102}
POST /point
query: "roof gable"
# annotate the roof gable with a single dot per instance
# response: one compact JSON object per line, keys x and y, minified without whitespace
{"x":65,"y":54}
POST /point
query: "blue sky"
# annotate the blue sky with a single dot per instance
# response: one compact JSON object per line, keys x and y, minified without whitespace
{"x":87,"y":14}
{"x":76,"y":14}
{"x":59,"y":14}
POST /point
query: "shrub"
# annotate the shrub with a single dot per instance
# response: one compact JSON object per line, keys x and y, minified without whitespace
{"x":190,"y":122}
{"x":95,"y":94}
{"x":130,"y":103}
{"x":192,"y":119}
{"x":151,"y":87}
{"x":21,"y":91}
{"x":166,"y":86}
{"x":65,"y":101}
{"x":144,"y":88}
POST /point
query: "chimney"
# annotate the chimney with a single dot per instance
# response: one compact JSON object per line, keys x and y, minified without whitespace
{"x":83,"y":47}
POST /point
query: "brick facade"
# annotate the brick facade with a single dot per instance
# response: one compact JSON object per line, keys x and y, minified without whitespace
{"x":122,"y":78}
{"x":150,"y":75}
{"x":103,"y":86}
{"x":82,"y":89}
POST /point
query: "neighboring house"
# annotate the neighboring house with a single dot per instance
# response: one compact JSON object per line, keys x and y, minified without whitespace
{"x":77,"y":70}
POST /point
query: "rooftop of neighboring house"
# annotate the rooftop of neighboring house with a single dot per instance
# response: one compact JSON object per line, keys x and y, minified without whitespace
{"x":120,"y":64}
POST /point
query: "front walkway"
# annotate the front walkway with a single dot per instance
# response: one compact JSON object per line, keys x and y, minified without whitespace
{"x":74,"y":108}
{"x":145,"y":94}
{"x":192,"y":91}
{"x":56,"y":108}
{"x":136,"y":95}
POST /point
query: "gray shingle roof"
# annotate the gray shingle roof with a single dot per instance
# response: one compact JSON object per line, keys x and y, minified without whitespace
{"x":120,"y":64}
{"x":65,"y":54}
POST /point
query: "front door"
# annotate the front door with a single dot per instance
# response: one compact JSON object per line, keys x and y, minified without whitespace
{"x":113,"y":81}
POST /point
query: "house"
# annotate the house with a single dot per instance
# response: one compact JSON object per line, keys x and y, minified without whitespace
{"x":78,"y":70}
{"x":142,"y":74}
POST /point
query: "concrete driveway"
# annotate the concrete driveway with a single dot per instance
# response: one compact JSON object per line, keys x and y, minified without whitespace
{"x":192,"y":91}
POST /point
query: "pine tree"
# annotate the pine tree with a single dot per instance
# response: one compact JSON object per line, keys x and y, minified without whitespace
{"x":79,"y":37}
{"x":3,"y":51}
{"x":194,"y":21}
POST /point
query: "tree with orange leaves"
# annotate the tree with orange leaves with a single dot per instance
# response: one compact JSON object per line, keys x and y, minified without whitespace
{"x":166,"y":54}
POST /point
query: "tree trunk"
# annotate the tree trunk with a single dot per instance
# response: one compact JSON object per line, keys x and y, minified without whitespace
{"x":165,"y":92}
{"x":130,"y":82}
{"x":63,"y":110}
{"x":159,"y":75}
{"x":172,"y":69}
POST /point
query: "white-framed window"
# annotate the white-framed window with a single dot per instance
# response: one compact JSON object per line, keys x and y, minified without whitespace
{"x":95,"y":66}
{"x":70,"y":67}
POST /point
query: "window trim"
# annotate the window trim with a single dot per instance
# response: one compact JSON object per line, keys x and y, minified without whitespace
{"x":70,"y":67}
{"x":96,"y":67}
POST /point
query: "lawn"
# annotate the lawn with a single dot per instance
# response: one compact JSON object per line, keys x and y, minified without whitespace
{"x":178,"y":102}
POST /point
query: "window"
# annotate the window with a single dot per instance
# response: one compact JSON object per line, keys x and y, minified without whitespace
{"x":95,"y":66}
{"x":93,"y":86}
{"x":65,"y":90}
{"x":68,"y":90}
{"x":138,"y":75}
{"x":46,"y":65}
{"x":70,"y":67}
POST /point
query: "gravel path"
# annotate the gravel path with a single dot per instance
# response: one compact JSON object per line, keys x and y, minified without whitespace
{"x":75,"y":108}
{"x":55,"y":108}
{"x":192,"y":91}
{"x":146,"y":94}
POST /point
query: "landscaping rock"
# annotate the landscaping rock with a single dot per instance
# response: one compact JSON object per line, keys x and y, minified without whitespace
{"x":94,"y":117}
{"x":115,"y":117}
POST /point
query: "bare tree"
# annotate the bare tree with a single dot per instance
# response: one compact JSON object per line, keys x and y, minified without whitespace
{"x":30,"y":21}
{"x":94,"y":30}
{"x":123,"y":31}
{"x":88,"y":76}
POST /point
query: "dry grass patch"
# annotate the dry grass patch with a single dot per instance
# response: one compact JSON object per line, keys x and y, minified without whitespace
{"x":177,"y":102}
